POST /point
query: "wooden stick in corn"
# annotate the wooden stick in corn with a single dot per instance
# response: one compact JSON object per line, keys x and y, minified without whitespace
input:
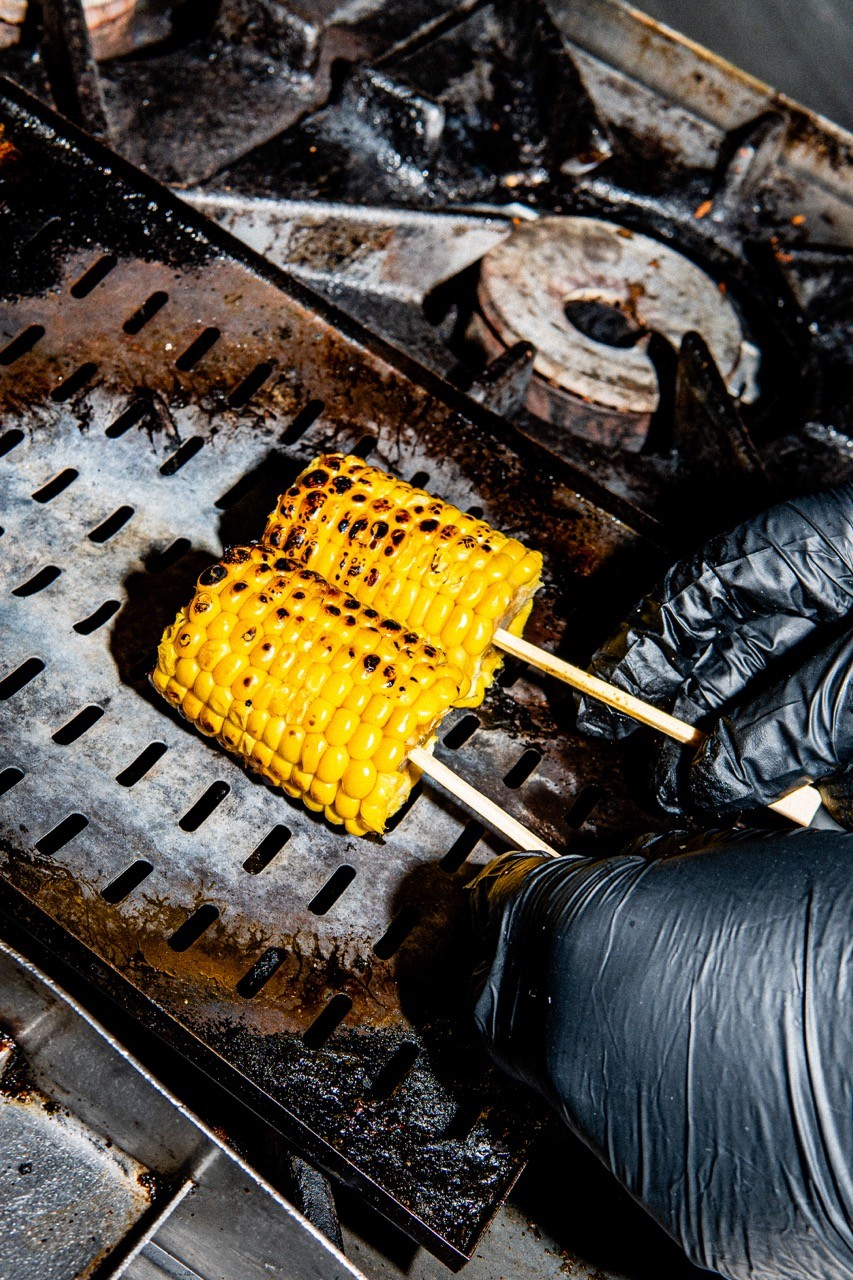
{"x":799,"y":806}
{"x":322,"y":696}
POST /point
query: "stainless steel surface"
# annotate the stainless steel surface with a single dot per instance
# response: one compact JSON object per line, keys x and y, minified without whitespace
{"x":100,"y":1167}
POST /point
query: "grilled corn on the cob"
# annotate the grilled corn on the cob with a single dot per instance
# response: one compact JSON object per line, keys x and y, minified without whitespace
{"x":320,"y":695}
{"x":415,"y":558}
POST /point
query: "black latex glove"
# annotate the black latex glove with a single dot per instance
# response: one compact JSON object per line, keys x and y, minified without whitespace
{"x":690,"y":1019}
{"x":748,"y":639}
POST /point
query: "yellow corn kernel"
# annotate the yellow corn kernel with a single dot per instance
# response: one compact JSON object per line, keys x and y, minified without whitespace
{"x":191,"y":706}
{"x":186,"y":670}
{"x":378,"y":710}
{"x":478,"y":636}
{"x":364,"y":741}
{"x":359,"y":778}
{"x":228,"y":669}
{"x":221,"y":627}
{"x":496,"y":601}
{"x":313,"y":746}
{"x":333,"y":762}
{"x":336,"y":688}
{"x":342,"y":726}
{"x":273,"y":731}
{"x":455,"y":628}
{"x":358,"y":698}
{"x":203,"y":685}
{"x":389,"y":755}
{"x":437,"y":614}
{"x":323,"y":792}
{"x":346,"y":806}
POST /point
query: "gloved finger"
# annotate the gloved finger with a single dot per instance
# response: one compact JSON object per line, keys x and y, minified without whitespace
{"x":801,"y":730}
{"x":726,"y":613}
{"x":495,"y":886}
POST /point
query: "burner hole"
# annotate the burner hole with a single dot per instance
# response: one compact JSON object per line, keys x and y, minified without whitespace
{"x":461,"y":732}
{"x":198,"y":348}
{"x":510,"y":672}
{"x":97,"y":619}
{"x":80,"y":724}
{"x":62,"y":834}
{"x":162,"y":560}
{"x":75,"y":382}
{"x":55,"y":486}
{"x":109,"y":528}
{"x":237,"y":491}
{"x":365,"y":446}
{"x":22,"y":675}
{"x":143,"y":763}
{"x":38,"y":582}
{"x":584,"y":805}
{"x":463,"y":846}
{"x":127,"y":418}
{"x":9,"y":778}
{"x":156,"y":302}
{"x":120,"y":888}
{"x":337,"y":882}
{"x":251,"y":384}
{"x":476,"y":512}
{"x":92,"y":278}
{"x":182,"y":456}
{"x":261,"y":971}
{"x":10,"y":440}
{"x":327,"y":1021}
{"x":466,"y":1116}
{"x":305,"y":418}
{"x":398,"y":1066}
{"x":394,"y":821}
{"x":193,"y":927}
{"x":271,"y":845}
{"x":204,"y":807}
{"x":22,"y":344}
{"x":604,"y":322}
{"x":419,"y":479}
{"x":397,"y":932}
{"x":522,"y":768}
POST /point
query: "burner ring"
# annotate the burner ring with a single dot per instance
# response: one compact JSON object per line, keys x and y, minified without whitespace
{"x":528,"y":281}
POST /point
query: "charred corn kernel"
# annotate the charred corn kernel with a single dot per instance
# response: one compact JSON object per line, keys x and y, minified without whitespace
{"x":319,"y":714}
{"x":430,"y":567}
{"x":335,"y":736}
{"x":312,"y":749}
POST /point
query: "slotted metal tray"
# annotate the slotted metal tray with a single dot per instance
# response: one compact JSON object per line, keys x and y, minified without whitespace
{"x":159,"y":385}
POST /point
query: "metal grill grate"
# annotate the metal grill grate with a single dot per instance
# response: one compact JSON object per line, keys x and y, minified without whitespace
{"x":159,"y":387}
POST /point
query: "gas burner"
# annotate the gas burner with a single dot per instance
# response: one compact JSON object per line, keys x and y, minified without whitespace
{"x":588,"y":295}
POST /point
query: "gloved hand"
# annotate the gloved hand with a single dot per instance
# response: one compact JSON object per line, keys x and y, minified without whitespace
{"x":751,"y":639}
{"x":689,"y":1017}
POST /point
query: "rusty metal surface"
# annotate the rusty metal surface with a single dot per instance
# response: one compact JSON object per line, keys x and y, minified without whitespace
{"x":202,"y":461}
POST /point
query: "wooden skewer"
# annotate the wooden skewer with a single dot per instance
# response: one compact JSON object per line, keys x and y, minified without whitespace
{"x":799,"y":806}
{"x":492,"y":813}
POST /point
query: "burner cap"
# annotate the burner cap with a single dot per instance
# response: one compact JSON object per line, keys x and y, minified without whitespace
{"x":560,"y":267}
